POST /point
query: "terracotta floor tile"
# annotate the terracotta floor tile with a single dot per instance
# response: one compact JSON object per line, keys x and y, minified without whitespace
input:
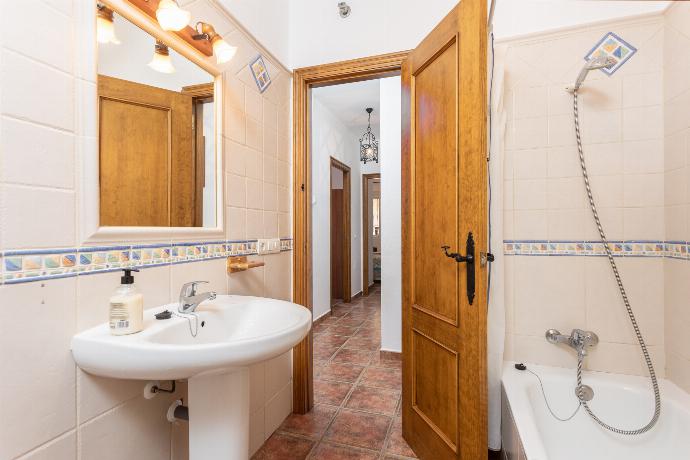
{"x":353,"y":356}
{"x":312,"y":424}
{"x":363,"y":343}
{"x":282,"y":446}
{"x":377,"y":361}
{"x":323,"y":352}
{"x":329,"y":320}
{"x":355,"y":322}
{"x":327,"y":338}
{"x":396,"y":444}
{"x":332,"y":393}
{"x":340,"y":372}
{"x":342,"y":330}
{"x":327,"y":451}
{"x":382,"y":378}
{"x":371,"y":399}
{"x":321,"y":327}
{"x":359,"y":429}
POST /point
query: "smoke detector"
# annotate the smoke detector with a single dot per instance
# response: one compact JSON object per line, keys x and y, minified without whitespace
{"x":344,"y":9}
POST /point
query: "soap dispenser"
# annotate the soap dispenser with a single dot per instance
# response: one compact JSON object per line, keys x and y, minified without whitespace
{"x":126,"y":306}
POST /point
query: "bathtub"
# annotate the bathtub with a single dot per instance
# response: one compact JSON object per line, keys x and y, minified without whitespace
{"x":529,"y":432}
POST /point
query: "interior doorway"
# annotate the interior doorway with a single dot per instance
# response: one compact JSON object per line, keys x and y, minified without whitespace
{"x":341,"y":233}
{"x":370,"y":246}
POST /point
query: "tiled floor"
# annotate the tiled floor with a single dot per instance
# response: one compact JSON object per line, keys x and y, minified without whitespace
{"x":356,"y":394}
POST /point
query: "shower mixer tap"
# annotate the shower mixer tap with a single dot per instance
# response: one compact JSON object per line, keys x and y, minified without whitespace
{"x":578,"y":339}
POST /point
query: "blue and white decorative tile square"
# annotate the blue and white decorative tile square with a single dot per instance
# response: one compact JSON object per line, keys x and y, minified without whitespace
{"x":611,"y":45}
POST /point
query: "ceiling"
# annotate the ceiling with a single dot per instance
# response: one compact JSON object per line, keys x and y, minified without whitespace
{"x":348,"y":101}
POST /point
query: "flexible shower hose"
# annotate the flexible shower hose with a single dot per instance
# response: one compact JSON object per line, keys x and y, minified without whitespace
{"x":621,"y":288}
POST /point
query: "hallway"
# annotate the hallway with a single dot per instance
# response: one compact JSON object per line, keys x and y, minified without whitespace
{"x":356,"y":411}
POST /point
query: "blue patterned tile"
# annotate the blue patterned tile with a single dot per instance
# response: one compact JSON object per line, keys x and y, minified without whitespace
{"x":613,"y":46}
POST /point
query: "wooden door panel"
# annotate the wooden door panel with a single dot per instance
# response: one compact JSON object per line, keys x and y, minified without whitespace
{"x":436,"y":184}
{"x":160,"y":155}
{"x":444,"y":198}
{"x":337,"y":255}
{"x":134,"y":163}
{"x":432,"y":397}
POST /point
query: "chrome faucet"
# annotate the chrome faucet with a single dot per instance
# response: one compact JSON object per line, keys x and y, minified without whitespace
{"x":189,"y":299}
{"x":578,"y":339}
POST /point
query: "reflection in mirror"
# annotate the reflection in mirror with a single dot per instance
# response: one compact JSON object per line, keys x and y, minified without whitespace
{"x":157,"y":149}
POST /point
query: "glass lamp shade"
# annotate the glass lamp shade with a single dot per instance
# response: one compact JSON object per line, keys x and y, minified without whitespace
{"x":162,"y":63}
{"x":172,"y":17}
{"x":222,"y":50}
{"x":105,"y":31}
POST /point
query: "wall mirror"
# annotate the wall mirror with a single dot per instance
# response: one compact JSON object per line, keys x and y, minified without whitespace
{"x":158,"y":143}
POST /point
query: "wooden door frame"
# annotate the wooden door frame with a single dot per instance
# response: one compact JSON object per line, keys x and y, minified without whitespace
{"x":347,"y":228}
{"x":303,"y":81}
{"x":365,"y":230}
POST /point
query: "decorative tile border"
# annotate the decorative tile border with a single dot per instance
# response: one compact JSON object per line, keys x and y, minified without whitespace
{"x":23,"y":266}
{"x":671,"y":249}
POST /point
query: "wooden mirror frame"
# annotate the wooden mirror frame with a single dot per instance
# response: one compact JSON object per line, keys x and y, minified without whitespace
{"x":86,"y":131}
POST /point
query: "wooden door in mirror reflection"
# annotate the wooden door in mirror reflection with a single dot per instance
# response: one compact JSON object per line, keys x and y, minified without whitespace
{"x":147,"y":156}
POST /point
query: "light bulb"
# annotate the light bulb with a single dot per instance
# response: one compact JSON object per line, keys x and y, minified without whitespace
{"x":222,"y":50}
{"x":171,"y":17}
{"x":161,"y":61}
{"x":105,"y":27}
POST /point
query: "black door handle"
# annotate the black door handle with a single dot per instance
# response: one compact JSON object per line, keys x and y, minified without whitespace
{"x":468,"y":258}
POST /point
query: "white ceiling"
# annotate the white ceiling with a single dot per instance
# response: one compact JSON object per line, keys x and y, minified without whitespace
{"x":348,"y":101}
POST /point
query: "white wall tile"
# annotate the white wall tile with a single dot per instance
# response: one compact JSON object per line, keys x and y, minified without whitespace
{"x":643,"y":156}
{"x":32,"y":90}
{"x":255,"y":223}
{"x":644,"y":190}
{"x":642,"y":90}
{"x":50,"y":30}
{"x":254,"y":131}
{"x":136,"y":429}
{"x":34,"y":211}
{"x":270,"y":197}
{"x":255,"y":194}
{"x":236,"y":190}
{"x":36,"y":155}
{"x":641,"y":123}
{"x":530,"y":194}
{"x":530,"y":164}
{"x":549,"y":293}
{"x":37,"y":322}
{"x":62,"y":448}
{"x":278,"y":408}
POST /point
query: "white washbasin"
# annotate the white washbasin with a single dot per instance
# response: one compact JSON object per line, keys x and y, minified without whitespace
{"x":237,"y":331}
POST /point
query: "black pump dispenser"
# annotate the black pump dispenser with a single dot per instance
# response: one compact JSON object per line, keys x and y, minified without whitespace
{"x":128,"y":278}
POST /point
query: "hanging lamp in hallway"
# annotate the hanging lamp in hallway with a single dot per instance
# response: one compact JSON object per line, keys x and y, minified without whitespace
{"x":368,"y":145}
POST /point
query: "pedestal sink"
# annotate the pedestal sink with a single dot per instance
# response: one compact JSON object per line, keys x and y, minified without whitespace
{"x":212,"y":351}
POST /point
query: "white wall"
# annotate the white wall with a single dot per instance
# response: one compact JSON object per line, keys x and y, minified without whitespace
{"x":391,"y":257}
{"x":528,"y":16}
{"x":331,"y":138}
{"x":320,"y":35}
{"x":267,"y":21}
{"x":376,"y":27}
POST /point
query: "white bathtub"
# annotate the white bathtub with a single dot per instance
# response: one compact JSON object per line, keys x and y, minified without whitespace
{"x":530,"y":432}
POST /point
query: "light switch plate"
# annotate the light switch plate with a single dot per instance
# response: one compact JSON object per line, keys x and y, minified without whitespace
{"x":269,"y":246}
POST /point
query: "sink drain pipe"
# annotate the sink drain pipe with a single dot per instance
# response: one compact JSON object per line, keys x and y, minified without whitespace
{"x":177,"y":411}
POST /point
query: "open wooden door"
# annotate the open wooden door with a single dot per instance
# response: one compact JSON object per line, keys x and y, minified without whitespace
{"x":444,"y":201}
{"x":146,"y":156}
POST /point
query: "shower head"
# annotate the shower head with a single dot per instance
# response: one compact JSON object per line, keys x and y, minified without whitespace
{"x":593,"y":64}
{"x":600,"y":62}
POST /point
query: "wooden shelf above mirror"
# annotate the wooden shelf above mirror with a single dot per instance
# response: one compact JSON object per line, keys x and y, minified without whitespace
{"x":149,"y":8}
